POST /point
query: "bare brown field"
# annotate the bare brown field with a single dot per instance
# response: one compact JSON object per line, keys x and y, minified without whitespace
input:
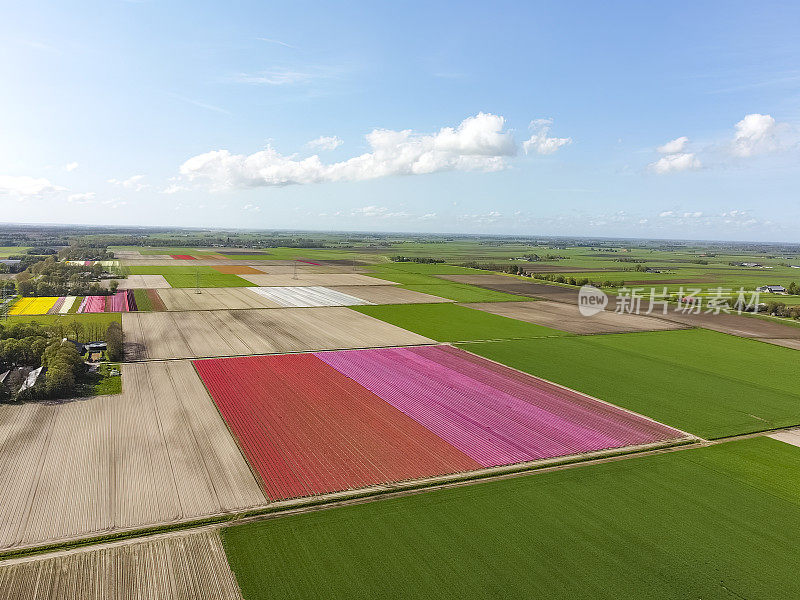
{"x":786,"y":343}
{"x":198,"y":334}
{"x":566,"y":317}
{"x":169,"y":568}
{"x":515,"y":285}
{"x":323,"y":279}
{"x":733,"y":324}
{"x":236,"y":269}
{"x":126,"y":254}
{"x":155,"y":301}
{"x":157,"y":453}
{"x":145,"y":282}
{"x":388,"y":294}
{"x":213,"y":299}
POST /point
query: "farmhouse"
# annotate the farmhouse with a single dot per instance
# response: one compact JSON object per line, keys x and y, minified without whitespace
{"x":772,"y":289}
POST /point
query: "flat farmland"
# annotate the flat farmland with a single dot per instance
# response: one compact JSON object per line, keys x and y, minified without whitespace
{"x":331,"y":421}
{"x":306,"y":296}
{"x":316,"y":279}
{"x":213,"y":299}
{"x":707,"y":383}
{"x":715,"y":523}
{"x":237,"y":270}
{"x":451,"y":323}
{"x":566,"y":317}
{"x":170,"y":568}
{"x":306,"y":429}
{"x":143,"y":282}
{"x":190,"y":276}
{"x":388,"y":294}
{"x":200,"y":334}
{"x":157,"y":453}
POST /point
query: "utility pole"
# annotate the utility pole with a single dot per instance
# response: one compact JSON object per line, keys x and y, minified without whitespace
{"x":294,"y":275}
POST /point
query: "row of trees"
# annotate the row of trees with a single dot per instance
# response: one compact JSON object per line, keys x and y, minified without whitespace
{"x":780,"y":309}
{"x":425,"y":260}
{"x":579,"y":281}
{"x":52,"y":278}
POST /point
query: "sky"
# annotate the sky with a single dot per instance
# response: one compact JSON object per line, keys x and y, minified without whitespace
{"x":614,"y":119}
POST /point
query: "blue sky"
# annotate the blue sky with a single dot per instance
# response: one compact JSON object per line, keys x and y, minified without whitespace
{"x":535,"y":118}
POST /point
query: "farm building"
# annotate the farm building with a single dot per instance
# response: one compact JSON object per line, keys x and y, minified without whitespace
{"x":772,"y":289}
{"x":96,"y":347}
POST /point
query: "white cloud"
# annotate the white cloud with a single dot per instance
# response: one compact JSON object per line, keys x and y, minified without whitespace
{"x":673,"y":163}
{"x":675,"y":146}
{"x":693,"y":215}
{"x":280,"y":77}
{"x":675,"y":159}
{"x":325,"y":142}
{"x":379,"y":212}
{"x":24,"y":186}
{"x":252,"y":207}
{"x":757,"y":134}
{"x":71,"y":166}
{"x":539,"y":142}
{"x":479,"y":143}
{"x":174,"y":188}
{"x":131,"y":183}
{"x":666,"y":213}
{"x":83,"y":198}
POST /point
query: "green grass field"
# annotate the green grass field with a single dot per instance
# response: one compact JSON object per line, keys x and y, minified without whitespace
{"x":714,"y":523}
{"x":143,"y":303}
{"x":707,"y":383}
{"x":6,"y":251}
{"x":187,"y":276}
{"x":451,"y":323}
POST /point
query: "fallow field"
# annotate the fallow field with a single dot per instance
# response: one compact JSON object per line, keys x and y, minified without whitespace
{"x":157,"y":453}
{"x":170,"y":568}
{"x":567,"y":317}
{"x":198,"y":334}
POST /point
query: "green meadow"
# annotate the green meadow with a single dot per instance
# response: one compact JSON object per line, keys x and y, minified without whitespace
{"x":452,"y":323}
{"x":718,"y":522}
{"x":707,"y":383}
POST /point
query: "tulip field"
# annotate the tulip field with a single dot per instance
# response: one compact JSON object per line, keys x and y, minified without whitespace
{"x":330,"y":421}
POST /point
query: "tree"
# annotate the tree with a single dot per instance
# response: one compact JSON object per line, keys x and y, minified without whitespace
{"x":113,"y":285}
{"x":793,"y":289}
{"x":114,"y":341}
